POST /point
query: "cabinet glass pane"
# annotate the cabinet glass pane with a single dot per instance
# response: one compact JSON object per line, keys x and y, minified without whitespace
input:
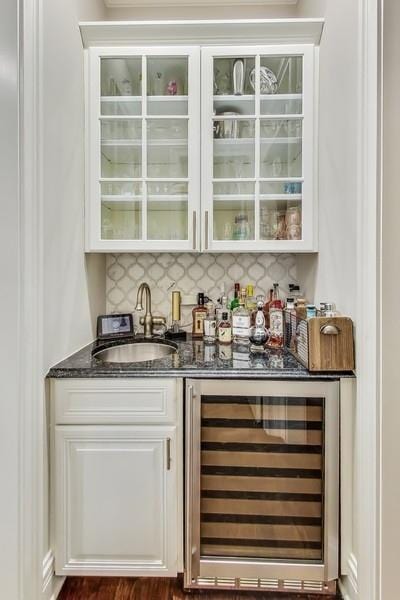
{"x":167,"y":211}
{"x":285,"y":104}
{"x":262,"y":477}
{"x":281,"y":211}
{"x":121,"y":85}
{"x":121,"y":219}
{"x":234,"y":85}
{"x":121,"y":148}
{"x":281,"y":75}
{"x":281,"y":148}
{"x":233,"y":214}
{"x":234,"y":148}
{"x":167,"y":85}
{"x":167,"y":148}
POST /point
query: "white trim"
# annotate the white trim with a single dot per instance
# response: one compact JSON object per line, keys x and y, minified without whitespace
{"x":276,"y":31}
{"x":198,"y":3}
{"x":51,"y":584}
{"x":32,"y":426}
{"x":348,"y":583}
{"x":367,"y":416}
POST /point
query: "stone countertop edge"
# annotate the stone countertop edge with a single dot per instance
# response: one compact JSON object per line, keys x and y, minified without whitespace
{"x":193,"y":359}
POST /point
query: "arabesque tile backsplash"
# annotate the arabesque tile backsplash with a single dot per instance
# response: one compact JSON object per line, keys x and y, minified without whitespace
{"x":191,"y":273}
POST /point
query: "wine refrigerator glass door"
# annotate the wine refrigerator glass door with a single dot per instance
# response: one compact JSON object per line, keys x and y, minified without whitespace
{"x":262,"y":485}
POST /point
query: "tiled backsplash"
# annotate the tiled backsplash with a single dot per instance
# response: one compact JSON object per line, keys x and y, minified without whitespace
{"x":191,"y":273}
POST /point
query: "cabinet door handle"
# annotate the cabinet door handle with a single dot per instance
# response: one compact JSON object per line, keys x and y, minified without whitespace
{"x":168,"y":454}
{"x":206,"y":229}
{"x":330,"y":330}
{"x":194,"y":230}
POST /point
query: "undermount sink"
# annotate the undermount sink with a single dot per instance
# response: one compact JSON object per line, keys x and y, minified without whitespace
{"x":136,"y":352}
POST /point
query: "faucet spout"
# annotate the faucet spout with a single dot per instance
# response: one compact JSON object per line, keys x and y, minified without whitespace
{"x":148,"y":318}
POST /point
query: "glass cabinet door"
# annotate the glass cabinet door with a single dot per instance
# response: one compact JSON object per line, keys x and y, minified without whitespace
{"x":262,"y":479}
{"x":145,"y":187}
{"x":257,"y":158}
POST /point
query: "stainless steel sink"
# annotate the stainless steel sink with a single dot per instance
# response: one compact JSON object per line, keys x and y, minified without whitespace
{"x":136,"y":352}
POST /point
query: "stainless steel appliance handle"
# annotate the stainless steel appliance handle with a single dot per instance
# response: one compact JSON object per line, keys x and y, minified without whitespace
{"x":192,"y":486}
{"x":188,"y":481}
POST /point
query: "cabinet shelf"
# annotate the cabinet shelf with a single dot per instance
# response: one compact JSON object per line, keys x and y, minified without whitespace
{"x":249,"y":197}
{"x":138,"y":143}
{"x":150,"y":198}
{"x":165,"y":98}
{"x":263,"y":140}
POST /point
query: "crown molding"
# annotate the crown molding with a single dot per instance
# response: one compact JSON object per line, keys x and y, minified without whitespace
{"x":243,"y":31}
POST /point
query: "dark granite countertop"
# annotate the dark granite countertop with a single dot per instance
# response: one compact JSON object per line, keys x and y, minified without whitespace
{"x":193,"y":359}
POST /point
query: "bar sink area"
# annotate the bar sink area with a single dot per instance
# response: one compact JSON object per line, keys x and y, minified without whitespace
{"x":136,"y":352}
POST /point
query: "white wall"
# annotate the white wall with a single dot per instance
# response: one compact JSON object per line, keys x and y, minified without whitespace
{"x":331,"y":275}
{"x":390,"y":484}
{"x":74,"y":284}
{"x":311,"y":8}
{"x":74,"y":290}
{"x":205,"y":12}
{"x":9,"y":300}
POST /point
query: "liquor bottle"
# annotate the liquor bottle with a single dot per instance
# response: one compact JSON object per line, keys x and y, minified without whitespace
{"x":222,"y":308}
{"x":235,"y":300}
{"x":225,"y":330}
{"x":258,"y":333}
{"x":251,"y":302}
{"x":266,"y":307}
{"x":276,"y":327}
{"x":210,"y":333}
{"x":199,"y":314}
{"x":241,"y":321}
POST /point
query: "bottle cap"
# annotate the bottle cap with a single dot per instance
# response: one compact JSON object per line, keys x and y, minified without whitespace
{"x":200,"y":298}
{"x":224,"y":316}
{"x":250,"y":289}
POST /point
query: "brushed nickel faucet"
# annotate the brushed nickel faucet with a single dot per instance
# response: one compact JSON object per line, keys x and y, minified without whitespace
{"x":148,"y":320}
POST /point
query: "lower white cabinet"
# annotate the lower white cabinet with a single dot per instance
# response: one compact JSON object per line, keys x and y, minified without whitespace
{"x":117,"y":497}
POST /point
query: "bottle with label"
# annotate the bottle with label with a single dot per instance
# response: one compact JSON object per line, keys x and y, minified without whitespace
{"x":235,"y":300}
{"x":258,"y":333}
{"x":251,"y":302}
{"x":241,"y":321}
{"x":222,"y":308}
{"x":267,"y":304}
{"x":225,"y":329}
{"x":210,"y":326}
{"x":199,"y":314}
{"x":276,"y":327}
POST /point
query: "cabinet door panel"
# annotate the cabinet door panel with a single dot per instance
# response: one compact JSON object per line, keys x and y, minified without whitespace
{"x":143,"y":128}
{"x":114,"y":401}
{"x":257,"y":126}
{"x":115,"y":501}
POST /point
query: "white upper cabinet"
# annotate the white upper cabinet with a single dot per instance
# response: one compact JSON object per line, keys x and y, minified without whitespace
{"x":143,"y":146}
{"x":258,"y":148}
{"x":202,"y":148}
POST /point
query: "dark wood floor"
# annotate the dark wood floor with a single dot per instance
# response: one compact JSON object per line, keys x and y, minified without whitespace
{"x":124,"y":588}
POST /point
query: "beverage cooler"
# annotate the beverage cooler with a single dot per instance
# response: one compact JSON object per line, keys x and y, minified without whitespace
{"x":262,"y":485}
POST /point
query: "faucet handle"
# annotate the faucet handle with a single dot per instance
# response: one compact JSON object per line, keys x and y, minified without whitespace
{"x":159,"y":322}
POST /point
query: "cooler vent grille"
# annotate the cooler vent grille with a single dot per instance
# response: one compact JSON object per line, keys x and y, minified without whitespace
{"x":280,"y":585}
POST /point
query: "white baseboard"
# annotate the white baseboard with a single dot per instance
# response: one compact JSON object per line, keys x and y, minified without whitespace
{"x":348,"y":583}
{"x":51,"y":583}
